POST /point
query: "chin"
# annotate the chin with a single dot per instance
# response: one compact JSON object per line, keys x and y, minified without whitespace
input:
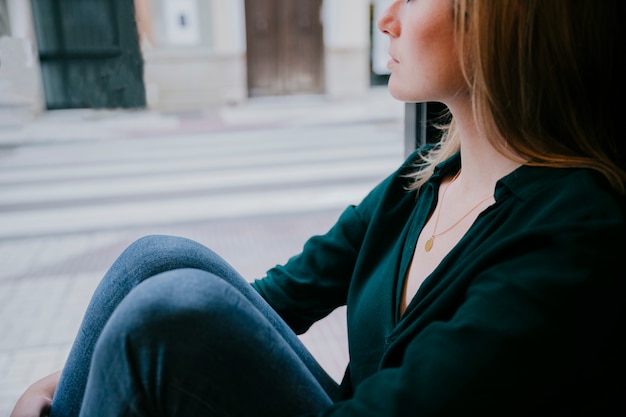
{"x":395,"y":91}
{"x":401,"y":92}
{"x":401,"y":95}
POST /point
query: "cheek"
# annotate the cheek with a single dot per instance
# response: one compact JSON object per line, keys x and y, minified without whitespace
{"x":433,"y":45}
{"x":434,"y":77}
{"x":431,"y":28}
{"x":433,"y":72}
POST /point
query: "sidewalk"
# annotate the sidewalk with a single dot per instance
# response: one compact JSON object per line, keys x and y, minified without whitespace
{"x":89,"y":124}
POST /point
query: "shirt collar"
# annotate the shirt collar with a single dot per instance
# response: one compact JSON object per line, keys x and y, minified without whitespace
{"x":523,"y":182}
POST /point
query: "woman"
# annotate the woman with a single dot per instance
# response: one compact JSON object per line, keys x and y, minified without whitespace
{"x":484,"y":277}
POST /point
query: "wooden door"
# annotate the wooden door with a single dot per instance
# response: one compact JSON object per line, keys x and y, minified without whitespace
{"x":285,"y":47}
{"x":89,"y":53}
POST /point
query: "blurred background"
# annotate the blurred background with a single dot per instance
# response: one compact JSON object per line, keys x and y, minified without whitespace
{"x":247,"y":125}
{"x":181,"y":55}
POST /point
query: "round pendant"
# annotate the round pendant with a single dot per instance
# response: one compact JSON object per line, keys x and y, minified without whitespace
{"x":429,"y":244}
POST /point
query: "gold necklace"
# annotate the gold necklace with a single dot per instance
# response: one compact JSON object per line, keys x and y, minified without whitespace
{"x":431,"y":240}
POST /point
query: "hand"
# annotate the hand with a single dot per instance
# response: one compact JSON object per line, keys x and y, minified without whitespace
{"x":37,"y":399}
{"x":32,"y":405}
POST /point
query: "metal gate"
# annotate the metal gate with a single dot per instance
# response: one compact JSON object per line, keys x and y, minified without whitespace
{"x":89,"y":53}
{"x":284,"y":47}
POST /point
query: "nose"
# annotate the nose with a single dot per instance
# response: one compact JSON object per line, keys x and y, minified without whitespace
{"x":389,"y":23}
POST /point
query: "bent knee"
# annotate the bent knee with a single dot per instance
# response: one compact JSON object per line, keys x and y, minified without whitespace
{"x":150,"y":244}
{"x":174,"y":301}
{"x":155,"y":254}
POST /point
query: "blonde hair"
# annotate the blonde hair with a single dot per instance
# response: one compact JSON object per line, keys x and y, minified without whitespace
{"x":542,"y":76}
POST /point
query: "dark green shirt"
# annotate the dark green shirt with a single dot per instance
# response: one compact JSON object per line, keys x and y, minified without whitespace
{"x":525,"y":316}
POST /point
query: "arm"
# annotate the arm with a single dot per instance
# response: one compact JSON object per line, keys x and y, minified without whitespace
{"x":315,"y":282}
{"x":37,"y":399}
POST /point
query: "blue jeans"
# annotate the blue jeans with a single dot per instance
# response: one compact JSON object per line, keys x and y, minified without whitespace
{"x":172,"y":329}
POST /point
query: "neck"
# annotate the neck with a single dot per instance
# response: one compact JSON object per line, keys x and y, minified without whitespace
{"x":482,"y":164}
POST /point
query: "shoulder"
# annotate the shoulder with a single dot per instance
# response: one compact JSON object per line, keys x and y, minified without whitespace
{"x":564,"y":194}
{"x":529,"y":180}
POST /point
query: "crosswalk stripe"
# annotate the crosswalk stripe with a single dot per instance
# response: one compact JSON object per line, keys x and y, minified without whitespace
{"x":84,"y":171}
{"x":201,"y":181}
{"x":291,"y":142}
{"x":181,"y":210}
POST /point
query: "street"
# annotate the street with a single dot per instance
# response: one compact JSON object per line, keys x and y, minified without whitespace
{"x":252,"y":183}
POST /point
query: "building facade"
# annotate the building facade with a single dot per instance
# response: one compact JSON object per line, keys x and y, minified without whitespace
{"x":21,"y":90}
{"x":188,"y":55}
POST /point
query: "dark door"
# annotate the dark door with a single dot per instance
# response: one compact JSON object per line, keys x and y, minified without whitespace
{"x":284,"y":47}
{"x":89,"y":53}
{"x":5,"y":30}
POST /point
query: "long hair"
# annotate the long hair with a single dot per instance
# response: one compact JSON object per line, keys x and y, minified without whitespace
{"x":543,"y":78}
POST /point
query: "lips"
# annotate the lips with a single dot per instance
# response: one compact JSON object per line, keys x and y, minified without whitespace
{"x":392,"y":61}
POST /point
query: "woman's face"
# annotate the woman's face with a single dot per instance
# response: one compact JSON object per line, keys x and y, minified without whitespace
{"x":424,"y":60}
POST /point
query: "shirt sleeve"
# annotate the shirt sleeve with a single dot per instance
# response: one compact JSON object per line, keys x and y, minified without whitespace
{"x":310,"y":285}
{"x":315,"y":282}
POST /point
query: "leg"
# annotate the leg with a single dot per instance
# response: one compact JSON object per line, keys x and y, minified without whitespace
{"x":145,"y":258}
{"x":186,"y":343}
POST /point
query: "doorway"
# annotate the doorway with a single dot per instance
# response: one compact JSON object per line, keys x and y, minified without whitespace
{"x":89,"y":53}
{"x":285,"y":47}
